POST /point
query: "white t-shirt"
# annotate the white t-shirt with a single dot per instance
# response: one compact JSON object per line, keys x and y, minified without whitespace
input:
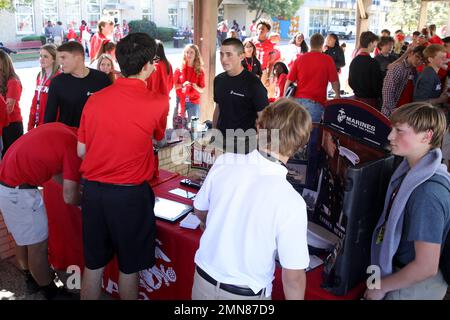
{"x":253,"y":213}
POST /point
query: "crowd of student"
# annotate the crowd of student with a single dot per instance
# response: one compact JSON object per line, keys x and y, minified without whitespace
{"x":119,"y":113}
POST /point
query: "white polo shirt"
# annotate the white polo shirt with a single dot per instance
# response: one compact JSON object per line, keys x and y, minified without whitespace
{"x":253,"y":213}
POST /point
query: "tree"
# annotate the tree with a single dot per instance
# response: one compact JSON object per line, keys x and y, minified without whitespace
{"x":278,"y":8}
{"x":5,"y":4}
{"x":404,"y":14}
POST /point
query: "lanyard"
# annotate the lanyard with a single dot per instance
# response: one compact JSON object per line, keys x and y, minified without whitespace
{"x":380,"y":236}
{"x":38,"y":98}
{"x":249,"y":66}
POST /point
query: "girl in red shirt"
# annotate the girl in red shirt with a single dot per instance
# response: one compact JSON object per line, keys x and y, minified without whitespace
{"x":49,"y":70}
{"x":190,"y":83}
{"x":11,"y":90}
{"x":161,"y":80}
{"x":105,"y":30}
{"x":280,"y":72}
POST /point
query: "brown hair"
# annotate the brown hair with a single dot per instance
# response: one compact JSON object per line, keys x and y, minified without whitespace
{"x":367,"y":38}
{"x":249,"y":41}
{"x":422,"y":116}
{"x":107,"y":57}
{"x":103,"y":24}
{"x":51,"y":49}
{"x":432,"y":50}
{"x":106,"y":47}
{"x":316,"y":41}
{"x":72,"y":47}
{"x":6,"y":71}
{"x":293,"y":122}
{"x":198,"y":61}
{"x":385,"y":41}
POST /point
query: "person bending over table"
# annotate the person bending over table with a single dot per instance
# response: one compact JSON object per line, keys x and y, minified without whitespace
{"x":251,"y":212}
{"x":49,"y":151}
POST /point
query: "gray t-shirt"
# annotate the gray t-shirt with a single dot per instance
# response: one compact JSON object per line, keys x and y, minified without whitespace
{"x":428,"y":86}
{"x":58,"y":31}
{"x":427,"y":217}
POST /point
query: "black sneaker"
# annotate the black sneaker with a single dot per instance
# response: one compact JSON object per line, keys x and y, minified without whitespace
{"x":62,"y":294}
{"x":32,"y":286}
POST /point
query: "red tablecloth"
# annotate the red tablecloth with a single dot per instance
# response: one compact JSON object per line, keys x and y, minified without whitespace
{"x":172,"y":276}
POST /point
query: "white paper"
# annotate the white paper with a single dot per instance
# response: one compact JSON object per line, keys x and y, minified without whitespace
{"x":183,"y":193}
{"x":191,"y":221}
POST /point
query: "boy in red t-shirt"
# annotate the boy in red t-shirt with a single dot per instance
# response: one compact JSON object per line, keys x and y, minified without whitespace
{"x":47,"y":152}
{"x":115,"y":141}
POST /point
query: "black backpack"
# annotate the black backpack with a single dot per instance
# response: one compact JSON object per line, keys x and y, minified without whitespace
{"x":444,"y":261}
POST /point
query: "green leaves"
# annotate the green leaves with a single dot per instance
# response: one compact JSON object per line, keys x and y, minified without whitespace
{"x":404,"y":14}
{"x":277,"y":8}
{"x":5,"y":4}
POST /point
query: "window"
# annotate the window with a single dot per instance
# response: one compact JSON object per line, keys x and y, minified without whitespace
{"x":147,"y":9}
{"x":318,"y":22}
{"x":93,"y":13}
{"x":24,"y":16}
{"x":73,"y":12}
{"x":173,"y":16}
{"x":49,"y":10}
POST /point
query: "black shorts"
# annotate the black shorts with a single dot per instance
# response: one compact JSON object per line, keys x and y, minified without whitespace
{"x":118,"y":220}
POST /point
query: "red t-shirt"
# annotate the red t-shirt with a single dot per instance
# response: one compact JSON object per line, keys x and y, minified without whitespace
{"x":71,"y":34}
{"x":14,"y":91}
{"x":312,"y":72}
{"x":188,"y":74}
{"x":41,"y":95}
{"x":408,"y":93}
{"x":117,"y":126}
{"x":96,"y":43}
{"x":40,"y":154}
{"x":279,"y":89}
{"x":263,"y":51}
{"x":3,"y":115}
{"x":159,"y":81}
{"x":436,"y":40}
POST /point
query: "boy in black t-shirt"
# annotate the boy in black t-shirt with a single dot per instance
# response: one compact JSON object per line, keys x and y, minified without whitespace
{"x":239,"y":96}
{"x":70,"y":90}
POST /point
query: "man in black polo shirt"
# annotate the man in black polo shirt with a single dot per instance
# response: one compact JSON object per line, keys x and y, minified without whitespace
{"x":240,"y":97}
{"x":70,"y":90}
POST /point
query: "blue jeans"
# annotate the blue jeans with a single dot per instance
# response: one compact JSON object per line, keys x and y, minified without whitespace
{"x":192,"y":109}
{"x":316,"y":111}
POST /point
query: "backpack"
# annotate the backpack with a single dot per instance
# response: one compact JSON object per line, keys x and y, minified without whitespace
{"x":444,"y":260}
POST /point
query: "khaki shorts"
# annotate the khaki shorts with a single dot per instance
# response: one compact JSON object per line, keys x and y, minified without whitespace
{"x":24,"y":214}
{"x":203,"y":290}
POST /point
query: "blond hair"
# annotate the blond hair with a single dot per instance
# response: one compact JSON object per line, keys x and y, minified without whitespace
{"x":110,"y":58}
{"x":51,"y":49}
{"x":422,"y":116}
{"x":198,"y":61}
{"x":293,"y":122}
{"x":432,"y":50}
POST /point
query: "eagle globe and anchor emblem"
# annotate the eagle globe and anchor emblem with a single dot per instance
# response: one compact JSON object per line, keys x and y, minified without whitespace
{"x":341,"y":116}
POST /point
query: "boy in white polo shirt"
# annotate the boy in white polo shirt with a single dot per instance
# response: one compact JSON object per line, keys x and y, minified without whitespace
{"x":251,"y":213}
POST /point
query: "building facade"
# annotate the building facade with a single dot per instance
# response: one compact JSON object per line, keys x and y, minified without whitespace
{"x":316,"y":16}
{"x":30,"y":16}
